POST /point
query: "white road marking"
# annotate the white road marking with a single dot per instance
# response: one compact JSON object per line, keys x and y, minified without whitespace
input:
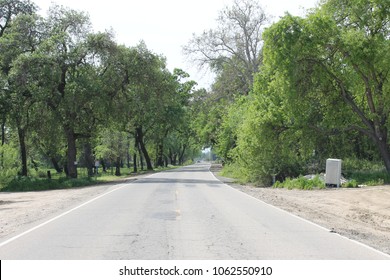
{"x":300,"y":218}
{"x":61,"y":215}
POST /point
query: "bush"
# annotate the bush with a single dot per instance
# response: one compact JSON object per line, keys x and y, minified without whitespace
{"x":24,"y":184}
{"x":301,"y":183}
{"x":365,"y":172}
{"x":350,"y":184}
{"x":371,"y":178}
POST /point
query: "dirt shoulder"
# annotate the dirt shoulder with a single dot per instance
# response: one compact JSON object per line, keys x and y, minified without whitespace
{"x":19,"y":210}
{"x":361,"y":214}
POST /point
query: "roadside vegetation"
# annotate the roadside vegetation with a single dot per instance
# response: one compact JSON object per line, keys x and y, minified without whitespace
{"x":316,"y":87}
{"x":76,"y":101}
{"x":288,"y":94}
{"x":40,"y":182}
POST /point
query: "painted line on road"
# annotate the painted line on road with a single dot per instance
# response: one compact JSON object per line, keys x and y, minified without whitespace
{"x":300,"y":218}
{"x":121,"y":186}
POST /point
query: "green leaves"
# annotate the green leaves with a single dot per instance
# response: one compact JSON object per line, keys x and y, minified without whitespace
{"x":324,"y":81}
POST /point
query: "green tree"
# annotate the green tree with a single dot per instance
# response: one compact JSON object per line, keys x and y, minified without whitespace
{"x":68,"y":71}
{"x":9,"y":9}
{"x":340,"y":52}
{"x":19,"y":41}
{"x":10,"y":47}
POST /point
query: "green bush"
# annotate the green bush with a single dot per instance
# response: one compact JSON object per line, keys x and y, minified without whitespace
{"x":301,"y":183}
{"x":371,"y":178}
{"x":24,"y":184}
{"x":350,"y":184}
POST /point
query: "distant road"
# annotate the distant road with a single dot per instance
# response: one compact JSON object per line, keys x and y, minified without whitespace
{"x":180,"y":214}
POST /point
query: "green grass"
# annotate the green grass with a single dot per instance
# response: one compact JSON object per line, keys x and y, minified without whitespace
{"x":25,"y":184}
{"x":365,"y":172}
{"x":235,"y":172}
{"x":38,"y":181}
{"x":373,"y":178}
{"x":301,"y":183}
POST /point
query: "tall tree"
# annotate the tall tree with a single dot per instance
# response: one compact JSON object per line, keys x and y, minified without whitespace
{"x":342,"y":52}
{"x":235,"y":43}
{"x":9,"y":10}
{"x":68,"y":71}
{"x":144,"y":95}
{"x":20,"y":41}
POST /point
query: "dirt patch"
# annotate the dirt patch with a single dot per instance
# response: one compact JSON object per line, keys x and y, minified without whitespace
{"x":18,"y":210}
{"x":361,"y":214}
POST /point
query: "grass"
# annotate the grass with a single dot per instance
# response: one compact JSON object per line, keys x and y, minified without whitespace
{"x":373,"y":178}
{"x":38,"y":180}
{"x":25,"y":184}
{"x":301,"y":183}
{"x":365,"y":172}
{"x":357,"y":171}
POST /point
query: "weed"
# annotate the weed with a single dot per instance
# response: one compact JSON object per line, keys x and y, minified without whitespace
{"x":301,"y":183}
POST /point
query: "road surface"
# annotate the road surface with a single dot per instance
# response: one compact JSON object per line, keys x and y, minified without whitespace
{"x":180,"y":214}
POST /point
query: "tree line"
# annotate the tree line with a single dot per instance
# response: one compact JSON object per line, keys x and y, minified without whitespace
{"x":290,"y":94}
{"x":71,"y":96}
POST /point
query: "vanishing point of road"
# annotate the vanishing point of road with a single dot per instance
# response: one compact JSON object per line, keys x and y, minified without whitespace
{"x":184,"y":213}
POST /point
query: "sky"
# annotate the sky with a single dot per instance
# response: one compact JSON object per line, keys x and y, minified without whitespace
{"x":166,"y":25}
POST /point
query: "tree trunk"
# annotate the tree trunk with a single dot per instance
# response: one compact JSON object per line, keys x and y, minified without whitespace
{"x":141,"y":159}
{"x":145,"y":153}
{"x":128,"y":156}
{"x":56,"y":165}
{"x":23,"y":150}
{"x":135,"y":169}
{"x":2,"y":140}
{"x":135,"y":163}
{"x":89,"y":162}
{"x":118,"y":167}
{"x":71,"y":153}
{"x":160,"y":155}
{"x":3,"y":130}
{"x":384,"y":151}
{"x":103,"y":163}
{"x":181,"y":157}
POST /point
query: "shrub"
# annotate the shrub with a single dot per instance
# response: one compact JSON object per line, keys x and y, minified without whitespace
{"x":350,"y":184}
{"x":301,"y":183}
{"x":24,"y":184}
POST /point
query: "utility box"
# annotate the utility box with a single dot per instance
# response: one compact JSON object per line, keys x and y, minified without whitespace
{"x":333,"y":172}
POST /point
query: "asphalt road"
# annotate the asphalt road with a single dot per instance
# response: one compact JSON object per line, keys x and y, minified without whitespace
{"x":181,"y":214}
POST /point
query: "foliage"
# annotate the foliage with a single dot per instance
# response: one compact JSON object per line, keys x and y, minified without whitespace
{"x":370,"y":178}
{"x":301,"y":183}
{"x":70,"y":96}
{"x":24,"y":184}
{"x":350,"y":184}
{"x":235,"y":44}
{"x":340,"y":54}
{"x":322,"y":92}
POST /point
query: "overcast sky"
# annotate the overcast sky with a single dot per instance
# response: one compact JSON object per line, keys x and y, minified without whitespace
{"x":165,"y":25}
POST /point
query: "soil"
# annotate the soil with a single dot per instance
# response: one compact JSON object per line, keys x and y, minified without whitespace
{"x":362,"y":214}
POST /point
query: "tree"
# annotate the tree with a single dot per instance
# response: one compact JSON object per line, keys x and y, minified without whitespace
{"x":21,"y":40}
{"x":17,"y":41}
{"x":112,"y":147}
{"x":341,"y":51}
{"x":67,"y":72}
{"x":235,"y":43}
{"x":9,"y":9}
{"x":144,"y":98}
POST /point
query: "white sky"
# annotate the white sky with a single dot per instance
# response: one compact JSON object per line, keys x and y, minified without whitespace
{"x":166,"y":25}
